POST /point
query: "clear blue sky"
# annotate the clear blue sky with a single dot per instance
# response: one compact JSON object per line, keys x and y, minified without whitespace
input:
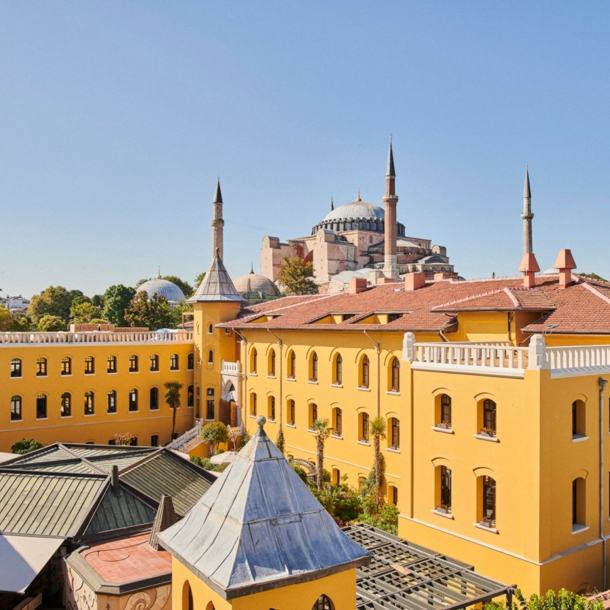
{"x":116,"y":118}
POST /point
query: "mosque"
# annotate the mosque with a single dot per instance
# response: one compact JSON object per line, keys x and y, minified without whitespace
{"x":351,"y":242}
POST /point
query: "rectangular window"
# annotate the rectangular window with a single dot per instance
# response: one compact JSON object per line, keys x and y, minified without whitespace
{"x":66,"y":366}
{"x":89,"y":404}
{"x":111,"y":364}
{"x":89,"y":365}
{"x":66,"y":405}
{"x":133,"y":400}
{"x":489,"y":500}
{"x":112,"y":442}
{"x":16,"y":408}
{"x":174,"y":362}
{"x":190,"y":363}
{"x":41,"y":367}
{"x":291,"y":412}
{"x":446,"y":488}
{"x":133,"y":364}
{"x":154,"y":399}
{"x":210,"y":410}
{"x":111,"y":401}
{"x":16,"y":367}
{"x":154,"y":440}
{"x":395,"y":433}
{"x":190,"y":396}
{"x":154,"y":363}
{"x":134,"y":441}
{"x":41,"y":407}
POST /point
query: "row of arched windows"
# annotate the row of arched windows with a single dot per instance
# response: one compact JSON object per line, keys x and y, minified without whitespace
{"x":65,"y":405}
{"x":486,"y":417}
{"x":364,"y":366}
{"x":16,"y":369}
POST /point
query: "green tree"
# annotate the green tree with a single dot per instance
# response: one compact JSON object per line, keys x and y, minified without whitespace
{"x":279,"y":443}
{"x":54,"y":301}
{"x":593,"y":276}
{"x":172,"y":398}
{"x":25,"y":446}
{"x":214,"y":433}
{"x":6,"y":320}
{"x":49,"y":324}
{"x":378,"y":431}
{"x":199,"y":279}
{"x":562,"y":600}
{"x":116,"y":301}
{"x":98,"y":300}
{"x":177,"y":312}
{"x":321,"y":432}
{"x":186,"y":288}
{"x":83,"y":312}
{"x":21,"y":323}
{"x":295,"y":276}
{"x":154,"y":313}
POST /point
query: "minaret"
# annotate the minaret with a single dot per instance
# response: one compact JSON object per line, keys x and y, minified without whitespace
{"x":332,"y":205}
{"x":529,"y":264}
{"x":390,"y":268}
{"x":527,"y":215}
{"x":217,"y":224}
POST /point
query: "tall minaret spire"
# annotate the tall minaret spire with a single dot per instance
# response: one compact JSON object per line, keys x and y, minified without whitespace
{"x":332,"y":205}
{"x":390,"y":268}
{"x":217,"y":223}
{"x":528,"y":247}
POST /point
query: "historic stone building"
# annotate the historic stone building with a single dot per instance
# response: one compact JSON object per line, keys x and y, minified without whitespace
{"x":359,"y":235}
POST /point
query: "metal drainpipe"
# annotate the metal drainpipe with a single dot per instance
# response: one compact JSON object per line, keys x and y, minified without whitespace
{"x":244,"y":376}
{"x":602,"y":383}
{"x":280,"y":343}
{"x":378,"y":373}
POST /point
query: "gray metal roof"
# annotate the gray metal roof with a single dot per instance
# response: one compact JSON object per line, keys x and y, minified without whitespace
{"x":259,"y":528}
{"x":170,"y":475}
{"x":216,"y":285}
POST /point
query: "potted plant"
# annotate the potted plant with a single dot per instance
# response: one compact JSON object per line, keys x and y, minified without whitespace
{"x":488,"y":432}
{"x":312,"y":380}
{"x":445,"y":425}
{"x":443,"y":508}
{"x":487,"y":522}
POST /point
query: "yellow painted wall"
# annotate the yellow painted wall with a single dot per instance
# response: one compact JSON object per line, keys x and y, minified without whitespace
{"x":340,"y":588}
{"x":100,"y":427}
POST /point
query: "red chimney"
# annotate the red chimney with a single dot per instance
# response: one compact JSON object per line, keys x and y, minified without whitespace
{"x":414,"y":281}
{"x":357,"y":284}
{"x":565,"y":263}
{"x":529,"y":267}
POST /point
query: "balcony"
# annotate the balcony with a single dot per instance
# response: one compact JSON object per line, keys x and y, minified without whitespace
{"x":57,"y":338}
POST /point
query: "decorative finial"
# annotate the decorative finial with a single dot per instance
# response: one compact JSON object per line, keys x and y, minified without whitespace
{"x":261,"y":420}
{"x":159,"y":273}
{"x":358,"y":198}
{"x":251,"y":268}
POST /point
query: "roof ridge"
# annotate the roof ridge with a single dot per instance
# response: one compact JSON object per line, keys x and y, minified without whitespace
{"x":512,"y":297}
{"x":596,"y":292}
{"x":470,"y":298}
{"x":272,"y":311}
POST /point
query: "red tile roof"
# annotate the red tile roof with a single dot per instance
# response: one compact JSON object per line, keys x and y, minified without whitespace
{"x":583,"y":307}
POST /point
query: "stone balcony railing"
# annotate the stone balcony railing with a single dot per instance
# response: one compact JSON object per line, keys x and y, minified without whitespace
{"x":189,"y":440}
{"x":35,"y":338}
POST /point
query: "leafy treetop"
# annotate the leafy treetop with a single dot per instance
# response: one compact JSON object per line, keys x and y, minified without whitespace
{"x":295,"y":276}
{"x":116,"y":301}
{"x":25,"y":446}
{"x":54,"y":301}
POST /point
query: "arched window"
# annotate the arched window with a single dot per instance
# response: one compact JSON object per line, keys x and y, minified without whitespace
{"x":89,"y":365}
{"x":211,"y":357}
{"x":487,"y":501}
{"x":154,"y":363}
{"x":253,"y":404}
{"x":190,"y":396}
{"x":365,"y":372}
{"x":210,"y":329}
{"x":190,"y":362}
{"x":443,"y":414}
{"x":579,"y":504}
{"x":111,"y":402}
{"x":187,"y":597}
{"x":291,"y":413}
{"x":154,"y":399}
{"x":271,"y":408}
{"x":41,"y":367}
{"x":253,"y":361}
{"x":393,"y":494}
{"x":337,"y":422}
{"x":66,"y":365}
{"x":89,"y":403}
{"x":323,"y":603}
{"x":41,"y":406}
{"x":338,"y":373}
{"x":395,"y":375}
{"x":364,"y":427}
{"x":174,"y":362}
{"x":16,"y":367}
{"x":111,"y":364}
{"x":313,"y":367}
{"x":394,"y":433}
{"x":443,"y":489}
{"x":133,"y":363}
{"x":292,"y":365}
{"x":336,"y":476}
{"x":66,"y":405}
{"x":579,"y":428}
{"x":210,"y":404}
{"x":133,"y":399}
{"x":313,"y":414}
{"x":489,"y":418}
{"x":16,"y":408}
{"x":197,"y":402}
{"x":271,"y":368}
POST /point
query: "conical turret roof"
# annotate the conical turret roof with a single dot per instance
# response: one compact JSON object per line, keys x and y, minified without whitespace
{"x":259,"y":528}
{"x":216,"y":285}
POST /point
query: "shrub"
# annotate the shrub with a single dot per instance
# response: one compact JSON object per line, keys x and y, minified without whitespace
{"x":214,"y":433}
{"x":25,"y":446}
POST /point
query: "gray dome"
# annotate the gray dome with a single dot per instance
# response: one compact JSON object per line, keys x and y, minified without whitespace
{"x":164,"y":288}
{"x":254,"y":282}
{"x":356,"y":210}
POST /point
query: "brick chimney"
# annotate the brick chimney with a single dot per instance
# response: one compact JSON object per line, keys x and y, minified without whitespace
{"x":529,"y":267}
{"x":357,"y":284}
{"x":414,"y":281}
{"x":565,"y":263}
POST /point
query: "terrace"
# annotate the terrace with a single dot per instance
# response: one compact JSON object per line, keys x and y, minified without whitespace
{"x":106,"y":337}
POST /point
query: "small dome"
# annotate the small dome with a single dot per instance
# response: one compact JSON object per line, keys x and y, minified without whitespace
{"x":356,"y":209}
{"x":254,"y":282}
{"x":164,"y":288}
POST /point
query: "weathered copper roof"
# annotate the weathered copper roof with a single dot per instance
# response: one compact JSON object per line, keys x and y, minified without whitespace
{"x":259,"y":528}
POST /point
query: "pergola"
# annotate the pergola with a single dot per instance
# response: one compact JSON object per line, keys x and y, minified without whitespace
{"x":402,"y":575}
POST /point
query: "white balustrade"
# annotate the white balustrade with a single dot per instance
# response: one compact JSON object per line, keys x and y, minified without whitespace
{"x":30,"y":338}
{"x":570,"y":360}
{"x":189,"y":440}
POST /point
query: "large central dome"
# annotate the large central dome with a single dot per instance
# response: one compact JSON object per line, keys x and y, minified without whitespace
{"x":356,"y":209}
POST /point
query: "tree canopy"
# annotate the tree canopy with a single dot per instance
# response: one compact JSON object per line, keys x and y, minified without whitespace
{"x":154,"y":313}
{"x":49,"y":324}
{"x":54,"y":301}
{"x":116,"y":301}
{"x":25,"y":446}
{"x":295,"y":276}
{"x":213,"y":434}
{"x":199,"y":279}
{"x":594,"y":276}
{"x":84,"y":312}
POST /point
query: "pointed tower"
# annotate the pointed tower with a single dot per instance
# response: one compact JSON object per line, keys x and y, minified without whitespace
{"x":217,"y":223}
{"x":390,"y":267}
{"x":332,"y":205}
{"x":529,"y":265}
{"x":259,"y":539}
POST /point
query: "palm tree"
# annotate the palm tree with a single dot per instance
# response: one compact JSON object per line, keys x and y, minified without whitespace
{"x":378,"y":430}
{"x":172,"y":398}
{"x":321,"y":431}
